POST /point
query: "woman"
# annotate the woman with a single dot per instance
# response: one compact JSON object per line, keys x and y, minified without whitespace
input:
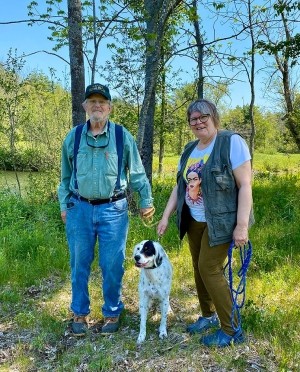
{"x":220,"y":215}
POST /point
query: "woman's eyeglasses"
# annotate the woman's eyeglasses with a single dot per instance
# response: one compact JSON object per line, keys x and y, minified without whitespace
{"x":201,"y":118}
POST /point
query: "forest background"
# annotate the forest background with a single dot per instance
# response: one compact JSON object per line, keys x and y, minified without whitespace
{"x":226,"y":44}
{"x":37,"y":109}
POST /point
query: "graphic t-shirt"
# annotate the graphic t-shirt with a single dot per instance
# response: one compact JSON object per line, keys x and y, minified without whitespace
{"x":239,"y":154}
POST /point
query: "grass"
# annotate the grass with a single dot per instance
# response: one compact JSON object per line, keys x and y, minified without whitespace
{"x":35,"y":290}
{"x":287,"y":163}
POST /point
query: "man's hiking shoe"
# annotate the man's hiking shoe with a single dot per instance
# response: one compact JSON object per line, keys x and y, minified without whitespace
{"x":79,"y":326}
{"x":202,"y":324}
{"x":111,"y":325}
{"x":222,"y":339}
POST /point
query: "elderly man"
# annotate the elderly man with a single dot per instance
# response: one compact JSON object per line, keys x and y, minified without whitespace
{"x":99,"y":161}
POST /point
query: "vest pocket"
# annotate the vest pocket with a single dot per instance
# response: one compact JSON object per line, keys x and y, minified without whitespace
{"x":222,"y":178}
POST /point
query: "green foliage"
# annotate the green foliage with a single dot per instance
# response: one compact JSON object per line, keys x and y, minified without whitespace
{"x":276,"y":206}
{"x":33,"y":123}
{"x":26,"y":160}
{"x":37,"y":124}
{"x":291,"y":46}
{"x":126,"y":115}
{"x":42,"y":187}
{"x":268,"y":137}
{"x":38,"y":248}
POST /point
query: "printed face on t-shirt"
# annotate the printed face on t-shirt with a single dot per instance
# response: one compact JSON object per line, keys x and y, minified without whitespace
{"x":193,"y":186}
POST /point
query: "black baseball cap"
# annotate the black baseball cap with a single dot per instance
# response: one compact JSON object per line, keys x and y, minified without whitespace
{"x":97,"y":88}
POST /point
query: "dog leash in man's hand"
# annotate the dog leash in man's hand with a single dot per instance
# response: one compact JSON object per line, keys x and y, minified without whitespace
{"x":147,"y":218}
{"x":148,"y":214}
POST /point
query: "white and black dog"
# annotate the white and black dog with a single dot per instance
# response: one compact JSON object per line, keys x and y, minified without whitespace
{"x":155,"y":283}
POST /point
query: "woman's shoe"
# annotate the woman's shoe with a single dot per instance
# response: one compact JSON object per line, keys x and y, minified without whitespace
{"x":202,"y":324}
{"x":222,"y":339}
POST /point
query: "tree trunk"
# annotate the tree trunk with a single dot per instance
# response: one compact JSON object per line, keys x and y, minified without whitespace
{"x":76,"y":61}
{"x":162,"y":124}
{"x":252,"y":83}
{"x":200,"y":47}
{"x":285,"y":70}
{"x":157,"y":14}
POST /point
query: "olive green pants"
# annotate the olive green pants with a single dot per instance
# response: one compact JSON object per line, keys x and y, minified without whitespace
{"x":212,"y":287}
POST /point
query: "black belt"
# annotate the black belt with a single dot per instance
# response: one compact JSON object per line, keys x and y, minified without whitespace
{"x":100,"y":201}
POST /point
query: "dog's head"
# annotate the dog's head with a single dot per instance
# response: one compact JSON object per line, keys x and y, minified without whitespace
{"x":148,"y":254}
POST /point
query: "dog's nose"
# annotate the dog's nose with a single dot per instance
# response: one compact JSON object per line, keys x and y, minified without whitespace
{"x":137,"y":257}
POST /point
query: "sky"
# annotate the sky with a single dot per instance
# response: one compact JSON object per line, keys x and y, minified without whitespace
{"x":29,"y":39}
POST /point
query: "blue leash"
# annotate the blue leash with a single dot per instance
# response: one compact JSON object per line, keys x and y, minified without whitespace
{"x":238,"y":294}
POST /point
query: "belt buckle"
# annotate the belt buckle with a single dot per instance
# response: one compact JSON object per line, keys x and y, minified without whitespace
{"x":118,"y":195}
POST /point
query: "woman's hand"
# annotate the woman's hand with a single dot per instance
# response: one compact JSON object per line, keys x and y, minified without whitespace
{"x":240,"y":236}
{"x":170,"y":208}
{"x":242,"y":175}
{"x":162,"y":226}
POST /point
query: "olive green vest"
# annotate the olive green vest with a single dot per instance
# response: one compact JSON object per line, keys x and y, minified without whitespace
{"x":219,"y":191}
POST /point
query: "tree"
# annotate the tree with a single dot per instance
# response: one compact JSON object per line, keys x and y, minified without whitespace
{"x":69,"y":30}
{"x":268,"y":138}
{"x":199,"y":48}
{"x":278,"y":29}
{"x":125,"y":69}
{"x":11,"y":96}
{"x":247,"y":20}
{"x":156,"y":17}
{"x":76,"y":60}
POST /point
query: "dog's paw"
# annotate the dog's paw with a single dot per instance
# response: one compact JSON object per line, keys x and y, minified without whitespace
{"x":163,"y":334}
{"x":141,"y":338}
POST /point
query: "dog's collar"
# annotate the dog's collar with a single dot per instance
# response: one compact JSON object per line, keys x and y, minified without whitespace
{"x":154,"y":267}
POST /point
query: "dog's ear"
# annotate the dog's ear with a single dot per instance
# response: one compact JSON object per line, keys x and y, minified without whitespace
{"x":158,"y":256}
{"x":158,"y":260}
{"x":148,"y":248}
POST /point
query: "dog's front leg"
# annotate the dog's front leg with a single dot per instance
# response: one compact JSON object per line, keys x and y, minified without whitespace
{"x":164,"y":308}
{"x":144,"y":307}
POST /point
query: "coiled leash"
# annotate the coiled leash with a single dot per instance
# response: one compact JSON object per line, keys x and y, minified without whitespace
{"x":238,"y":295}
{"x":147,"y":218}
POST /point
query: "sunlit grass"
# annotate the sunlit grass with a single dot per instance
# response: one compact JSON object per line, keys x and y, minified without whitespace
{"x":270,"y":163}
{"x":277,"y":162}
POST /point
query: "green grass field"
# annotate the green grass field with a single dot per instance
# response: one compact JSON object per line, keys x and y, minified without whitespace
{"x":35,"y":288}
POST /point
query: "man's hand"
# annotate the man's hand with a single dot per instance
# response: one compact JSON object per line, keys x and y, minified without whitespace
{"x":63,"y":216}
{"x":147,"y":213}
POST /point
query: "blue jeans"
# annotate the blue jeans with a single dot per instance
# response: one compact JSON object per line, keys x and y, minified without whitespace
{"x":84,"y":224}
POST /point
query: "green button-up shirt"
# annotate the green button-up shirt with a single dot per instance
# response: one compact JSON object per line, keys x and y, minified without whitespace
{"x":97,"y":167}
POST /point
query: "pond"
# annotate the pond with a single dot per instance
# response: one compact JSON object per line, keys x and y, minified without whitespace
{"x":9,"y":180}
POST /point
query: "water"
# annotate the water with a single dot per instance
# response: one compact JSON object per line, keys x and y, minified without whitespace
{"x":9,"y":180}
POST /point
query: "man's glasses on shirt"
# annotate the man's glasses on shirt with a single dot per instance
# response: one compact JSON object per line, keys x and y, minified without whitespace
{"x":92,"y":142}
{"x":201,"y":118}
